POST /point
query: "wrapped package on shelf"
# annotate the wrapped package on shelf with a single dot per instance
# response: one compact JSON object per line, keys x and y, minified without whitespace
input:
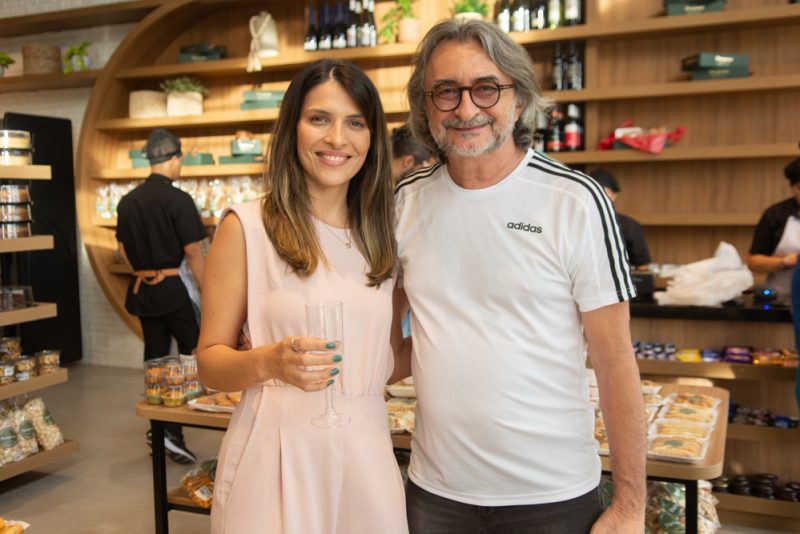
{"x":147,"y":104}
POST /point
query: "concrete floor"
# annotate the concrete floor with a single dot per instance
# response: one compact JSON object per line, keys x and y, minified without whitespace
{"x":107,"y":487}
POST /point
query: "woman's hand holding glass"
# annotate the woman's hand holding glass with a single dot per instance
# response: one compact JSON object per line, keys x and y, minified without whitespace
{"x":306,"y":363}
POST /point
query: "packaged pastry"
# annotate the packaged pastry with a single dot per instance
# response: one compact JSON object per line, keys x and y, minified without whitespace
{"x":680,"y":411}
{"x":26,"y":434}
{"x":677,"y":428}
{"x":650,"y":388}
{"x":48,"y":361}
{"x":152,"y":393}
{"x":48,"y":434}
{"x":653,"y":399}
{"x":192,"y":389}
{"x":153,"y":372}
{"x":6,"y":373}
{"x":9,"y":441}
{"x":189,"y":366}
{"x":695,"y":400}
{"x":15,"y":156}
{"x":173,"y":372}
{"x":199,"y":483}
{"x":10,"y":345}
{"x":25,"y":368}
{"x":401,"y":414}
{"x":173,"y":396}
{"x":678,"y":449}
{"x":14,"y":194}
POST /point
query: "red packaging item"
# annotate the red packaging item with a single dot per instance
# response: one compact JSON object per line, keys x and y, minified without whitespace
{"x":652,"y":141}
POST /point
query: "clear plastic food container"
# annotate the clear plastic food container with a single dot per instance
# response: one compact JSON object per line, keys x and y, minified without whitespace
{"x":10,"y":345}
{"x":14,"y":230}
{"x":15,"y":139}
{"x":6,"y":373}
{"x":15,"y":156}
{"x":15,"y":212}
{"x":173,"y":372}
{"x":14,"y":194}
{"x":15,"y":297}
{"x":152,"y":393}
{"x":48,"y":361}
{"x":173,"y":396}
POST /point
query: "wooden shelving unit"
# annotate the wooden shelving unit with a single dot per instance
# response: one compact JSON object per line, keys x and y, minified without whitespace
{"x":42,"y":82}
{"x":112,"y":223}
{"x":70,"y":19}
{"x":766,"y":434}
{"x":34,"y":384}
{"x":717,"y":370}
{"x":25,"y":172}
{"x":24,"y":244}
{"x":190,"y":171}
{"x":680,"y":153}
{"x":39,"y":310}
{"x":758,"y":513}
{"x":697,"y":219}
{"x":40,"y":459}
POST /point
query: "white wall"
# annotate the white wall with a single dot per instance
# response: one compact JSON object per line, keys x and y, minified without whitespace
{"x":106,"y":339}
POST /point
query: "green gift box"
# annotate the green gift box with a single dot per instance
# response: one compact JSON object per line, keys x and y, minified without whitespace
{"x":244,"y":158}
{"x":263,"y":94}
{"x":241,"y":147}
{"x":260,"y":104}
{"x":139,"y":163}
{"x":691,"y":8}
{"x":185,"y":57}
{"x":136,"y":153}
{"x":203,"y":49}
{"x":200,"y":158}
{"x":719,"y":74}
{"x":714,"y":60}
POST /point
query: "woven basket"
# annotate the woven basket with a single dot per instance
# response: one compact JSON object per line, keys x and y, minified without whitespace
{"x":181,"y":104}
{"x":40,"y":58}
{"x":147,"y":104}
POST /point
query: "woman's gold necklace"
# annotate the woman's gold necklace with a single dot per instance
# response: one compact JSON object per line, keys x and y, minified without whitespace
{"x":348,"y":243}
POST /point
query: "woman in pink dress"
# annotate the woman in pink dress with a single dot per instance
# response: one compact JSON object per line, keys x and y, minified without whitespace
{"x":323,"y":231}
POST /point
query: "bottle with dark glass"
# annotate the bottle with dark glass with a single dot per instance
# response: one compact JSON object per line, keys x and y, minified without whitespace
{"x":352,"y":25}
{"x":573,"y":12}
{"x":339,"y":29}
{"x":559,"y":70}
{"x":555,"y":14}
{"x":540,"y":133}
{"x":504,"y":16}
{"x":573,"y":129}
{"x":312,"y":38}
{"x":555,"y":136}
{"x":325,"y":29}
{"x":539,"y":15}
{"x":526,"y":14}
{"x":574,"y":66}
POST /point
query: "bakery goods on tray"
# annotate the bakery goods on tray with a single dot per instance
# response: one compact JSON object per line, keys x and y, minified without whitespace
{"x":677,"y":447}
{"x":401,"y":414}
{"x":676,"y":428}
{"x":697,"y":400}
{"x":680,"y":411}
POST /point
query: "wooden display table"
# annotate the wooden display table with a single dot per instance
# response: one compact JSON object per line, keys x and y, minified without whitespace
{"x":686,"y":474}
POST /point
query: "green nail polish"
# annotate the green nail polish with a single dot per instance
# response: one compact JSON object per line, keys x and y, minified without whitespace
{"x":334,"y":372}
{"x":330,"y":382}
{"x":330,"y":345}
{"x":337,"y":358}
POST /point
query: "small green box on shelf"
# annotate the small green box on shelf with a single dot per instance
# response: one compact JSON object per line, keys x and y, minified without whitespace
{"x":136,"y":153}
{"x":721,"y":73}
{"x":262,"y":94}
{"x":694,"y":7}
{"x":200,"y":52}
{"x":714,"y":60}
{"x":260,"y":104}
{"x":244,"y":158}
{"x":199,"y":158}
{"x":139,"y":163}
{"x":240,"y":147}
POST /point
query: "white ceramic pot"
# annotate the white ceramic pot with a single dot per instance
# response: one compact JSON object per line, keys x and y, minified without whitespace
{"x":181,"y":104}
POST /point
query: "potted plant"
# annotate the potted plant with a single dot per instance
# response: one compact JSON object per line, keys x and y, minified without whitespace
{"x":401,"y":22}
{"x":470,"y":9}
{"x":76,"y":58}
{"x":184,"y":96}
{"x":5,"y":61}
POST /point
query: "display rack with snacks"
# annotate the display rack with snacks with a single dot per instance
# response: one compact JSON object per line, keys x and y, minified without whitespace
{"x":21,"y":374}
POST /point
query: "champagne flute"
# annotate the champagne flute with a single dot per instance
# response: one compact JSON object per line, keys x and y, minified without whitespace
{"x":325,"y":321}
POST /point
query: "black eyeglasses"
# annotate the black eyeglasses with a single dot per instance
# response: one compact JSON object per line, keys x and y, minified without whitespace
{"x":483,"y":94}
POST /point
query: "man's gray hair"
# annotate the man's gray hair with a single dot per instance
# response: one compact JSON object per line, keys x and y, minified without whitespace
{"x":509,"y":56}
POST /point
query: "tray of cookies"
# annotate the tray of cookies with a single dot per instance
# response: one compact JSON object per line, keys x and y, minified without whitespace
{"x":694,"y":400}
{"x":225,"y":402}
{"x":677,"y":449}
{"x":664,"y":428}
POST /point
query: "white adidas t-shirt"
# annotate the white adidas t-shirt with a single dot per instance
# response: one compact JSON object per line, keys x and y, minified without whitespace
{"x":496,"y":278}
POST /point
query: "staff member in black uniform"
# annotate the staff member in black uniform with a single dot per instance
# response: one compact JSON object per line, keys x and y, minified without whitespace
{"x":776,"y":241}
{"x":157,"y":226}
{"x":632,"y":233}
{"x":408,"y":154}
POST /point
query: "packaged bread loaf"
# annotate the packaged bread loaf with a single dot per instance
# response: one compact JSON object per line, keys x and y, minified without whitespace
{"x":677,"y":447}
{"x":9,"y":443}
{"x":26,"y":433}
{"x":696,"y":400}
{"x":680,"y":411}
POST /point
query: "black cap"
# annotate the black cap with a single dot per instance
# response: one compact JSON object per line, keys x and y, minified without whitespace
{"x":606,"y":179}
{"x":792,"y":172}
{"x":162,"y":146}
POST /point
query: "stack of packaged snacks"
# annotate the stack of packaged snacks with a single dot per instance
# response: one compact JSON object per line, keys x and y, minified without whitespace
{"x":172,"y":381}
{"x":48,"y":361}
{"x":153,"y":380}
{"x":199,"y":483}
{"x":192,"y":387}
{"x":48,"y":435}
{"x":18,"y":367}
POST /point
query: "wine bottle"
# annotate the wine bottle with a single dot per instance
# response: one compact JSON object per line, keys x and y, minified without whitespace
{"x":504,"y":17}
{"x":540,"y":133}
{"x":352,"y":25}
{"x":559,"y":78}
{"x":526,"y":16}
{"x":573,"y":129}
{"x":554,"y":15}
{"x":539,"y":15}
{"x":555,"y":136}
{"x":363,"y":27}
{"x":574,"y":68}
{"x":573,"y":13}
{"x":325,"y":30}
{"x":517,"y":16}
{"x":311,"y":41}
{"x":339,"y":29}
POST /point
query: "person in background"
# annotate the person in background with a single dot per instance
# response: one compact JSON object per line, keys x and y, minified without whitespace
{"x":157,"y":227}
{"x":408,"y":154}
{"x":776,"y":241}
{"x":322,"y":231}
{"x":632,"y":233}
{"x":513,"y":266}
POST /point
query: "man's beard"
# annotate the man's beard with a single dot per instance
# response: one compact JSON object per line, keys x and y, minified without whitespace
{"x":472,"y":149}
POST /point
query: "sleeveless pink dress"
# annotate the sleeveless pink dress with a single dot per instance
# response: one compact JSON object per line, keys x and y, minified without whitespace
{"x":277,"y":474}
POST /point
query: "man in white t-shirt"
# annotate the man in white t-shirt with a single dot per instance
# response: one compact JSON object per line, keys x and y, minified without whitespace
{"x":513,"y":267}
